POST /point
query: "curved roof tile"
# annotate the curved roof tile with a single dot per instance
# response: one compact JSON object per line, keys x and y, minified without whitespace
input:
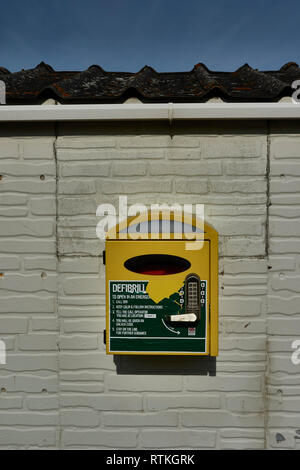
{"x":95,"y":85}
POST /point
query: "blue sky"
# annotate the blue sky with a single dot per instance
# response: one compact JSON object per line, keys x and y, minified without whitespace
{"x":169,"y":35}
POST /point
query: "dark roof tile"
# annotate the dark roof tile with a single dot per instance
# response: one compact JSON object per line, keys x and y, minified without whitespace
{"x":96,"y":85}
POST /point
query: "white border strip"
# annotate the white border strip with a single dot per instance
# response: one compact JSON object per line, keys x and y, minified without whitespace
{"x":153,"y":337}
{"x":125,"y":112}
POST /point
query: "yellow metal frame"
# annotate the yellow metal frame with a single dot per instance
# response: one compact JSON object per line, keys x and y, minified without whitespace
{"x":123,"y":251}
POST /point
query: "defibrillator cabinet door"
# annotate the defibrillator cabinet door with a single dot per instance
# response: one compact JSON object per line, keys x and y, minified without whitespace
{"x":158,"y":297}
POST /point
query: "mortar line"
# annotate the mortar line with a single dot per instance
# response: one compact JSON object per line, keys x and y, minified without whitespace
{"x":57,"y":290}
{"x":267,"y":235}
{"x":268,"y":203}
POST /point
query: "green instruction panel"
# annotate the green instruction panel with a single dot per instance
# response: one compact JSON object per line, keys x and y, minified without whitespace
{"x":137,"y":324}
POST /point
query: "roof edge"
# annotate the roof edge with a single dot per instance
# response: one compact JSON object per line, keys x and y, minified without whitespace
{"x":141,"y":111}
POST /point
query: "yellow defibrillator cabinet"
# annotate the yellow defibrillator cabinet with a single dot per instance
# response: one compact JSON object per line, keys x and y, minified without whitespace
{"x":161,"y":293}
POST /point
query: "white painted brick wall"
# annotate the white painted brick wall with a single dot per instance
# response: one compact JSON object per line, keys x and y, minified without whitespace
{"x":283,"y":377}
{"x":29,"y":385}
{"x":59,"y":389}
